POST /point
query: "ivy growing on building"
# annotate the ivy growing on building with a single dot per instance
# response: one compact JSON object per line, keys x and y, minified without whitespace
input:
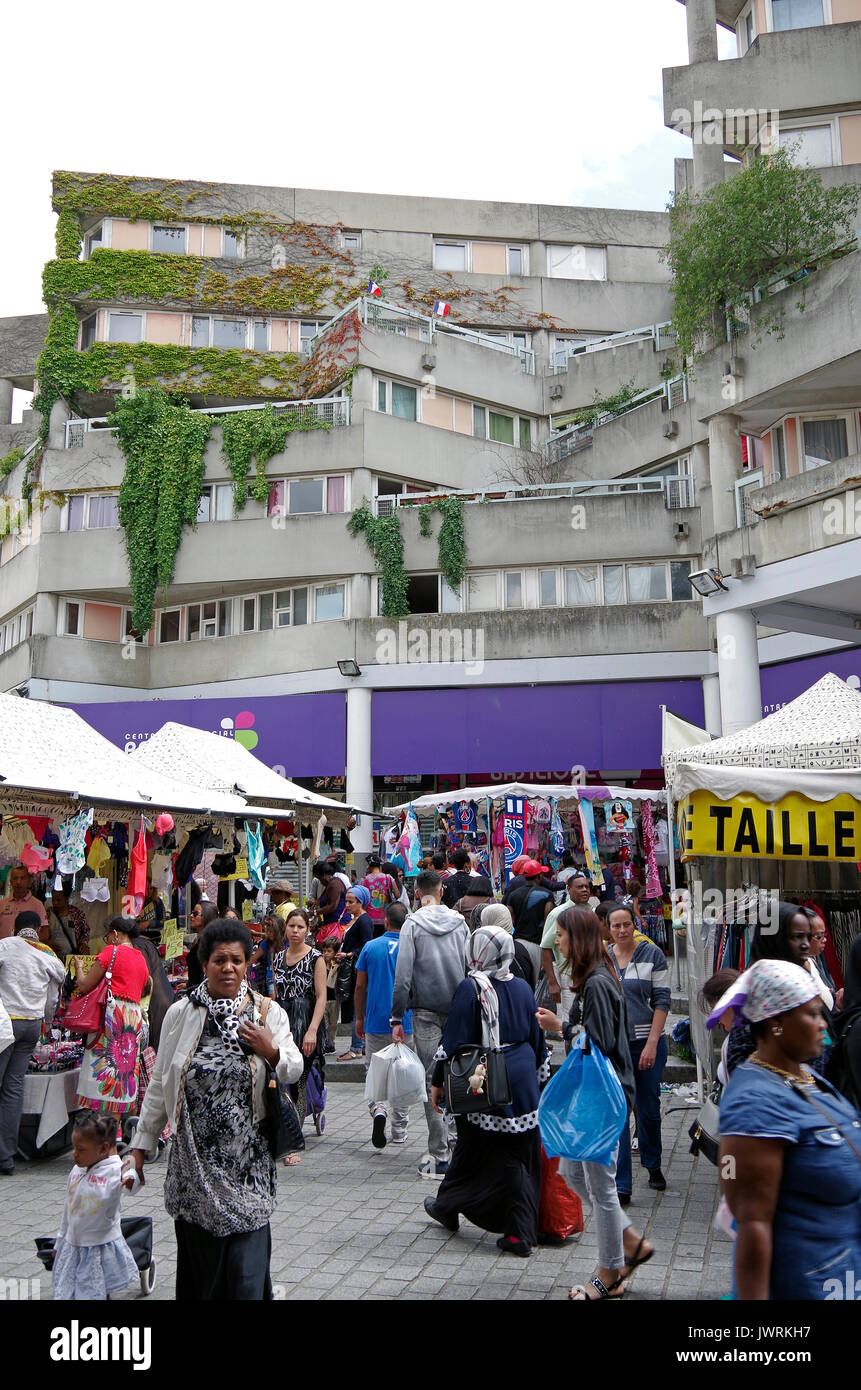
{"x":384,"y":540}
{"x":254,"y":437}
{"x":452,"y":541}
{"x":164,"y":443}
{"x":772,"y":221}
{"x":616,"y":404}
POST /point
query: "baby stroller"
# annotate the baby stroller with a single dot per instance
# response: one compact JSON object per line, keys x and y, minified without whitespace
{"x":137,"y":1233}
{"x":315,"y":1097}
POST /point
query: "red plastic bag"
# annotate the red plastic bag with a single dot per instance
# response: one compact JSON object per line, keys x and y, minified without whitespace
{"x":560,"y":1213}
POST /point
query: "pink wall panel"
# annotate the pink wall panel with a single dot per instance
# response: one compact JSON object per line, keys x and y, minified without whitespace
{"x":790,"y":436}
{"x":845,"y":11}
{"x":279,"y":336}
{"x":436,"y":410}
{"x":211,"y":241}
{"x":488,"y":258}
{"x":102,"y":623}
{"x":463,"y":417}
{"x":163,"y":328}
{"x":850,"y":138}
{"x":129,"y":236}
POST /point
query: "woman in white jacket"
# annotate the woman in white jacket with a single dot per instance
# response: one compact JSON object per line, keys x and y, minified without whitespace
{"x":208,"y":1083}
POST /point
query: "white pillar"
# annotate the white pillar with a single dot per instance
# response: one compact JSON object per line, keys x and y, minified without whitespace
{"x":711,"y":705}
{"x":703,"y":48}
{"x":5,"y":401}
{"x":738,"y":670}
{"x":360,"y":783}
{"x":724,"y":470}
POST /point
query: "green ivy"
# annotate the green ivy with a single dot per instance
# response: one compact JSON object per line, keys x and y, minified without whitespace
{"x":386,"y":544}
{"x":10,"y":461}
{"x":68,"y":235}
{"x":772,"y":219}
{"x":256,"y":436}
{"x":116,"y":196}
{"x":614,"y":405}
{"x":452,"y":540}
{"x":164,"y":443}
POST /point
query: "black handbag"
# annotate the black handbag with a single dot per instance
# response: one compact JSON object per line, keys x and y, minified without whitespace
{"x":476,"y":1081}
{"x":345,"y":982}
{"x":704,"y":1131}
{"x":281,"y":1124}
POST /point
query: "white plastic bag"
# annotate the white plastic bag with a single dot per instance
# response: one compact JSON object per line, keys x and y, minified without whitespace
{"x":7,"y":1035}
{"x":396,"y":1074}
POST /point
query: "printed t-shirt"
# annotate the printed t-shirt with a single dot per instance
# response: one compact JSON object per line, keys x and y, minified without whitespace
{"x":382,"y":890}
{"x":10,"y":907}
{"x":378,"y":961}
{"x":130,"y":974}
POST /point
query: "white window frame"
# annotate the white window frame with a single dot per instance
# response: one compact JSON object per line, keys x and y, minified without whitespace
{"x":741,"y":28}
{"x":331,"y":584}
{"x":599,"y":586}
{"x":88,"y":497}
{"x":351,"y":241}
{"x":174,"y":226}
{"x":573,"y":246}
{"x":510,"y":607}
{"x":769,"y":18}
{"x":125,"y":313}
{"x":228,"y":318}
{"x":162,"y":613}
{"x":94,"y":320}
{"x":812,"y":123}
{"x":513,"y":416}
{"x":284,"y":511}
{"x":452,"y":241}
{"x":62,"y":615}
{"x":388,"y":382}
{"x":510,"y":246}
{"x":207,"y":495}
{"x":15,"y":630}
{"x":202,"y":636}
{"x":240,"y":244}
{"x":126,"y":622}
{"x":849,"y":418}
{"x":495,"y":607}
{"x":86,"y":250}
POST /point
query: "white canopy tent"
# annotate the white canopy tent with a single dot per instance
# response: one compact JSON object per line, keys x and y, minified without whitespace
{"x":566,"y":795}
{"x":811,"y":746}
{"x":220,"y":766}
{"x":53,"y":763}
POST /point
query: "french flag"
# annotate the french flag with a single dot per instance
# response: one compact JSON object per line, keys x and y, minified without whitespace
{"x":374,"y":289}
{"x":440,"y":308}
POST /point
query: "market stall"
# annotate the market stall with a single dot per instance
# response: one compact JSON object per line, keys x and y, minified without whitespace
{"x":772,"y":809}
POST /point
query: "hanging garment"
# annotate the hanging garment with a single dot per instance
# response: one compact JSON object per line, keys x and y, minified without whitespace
{"x":37,"y":859}
{"x":653,"y":881}
{"x":137,"y":868}
{"x":556,"y":831}
{"x":99,"y":854}
{"x":256,"y":856}
{"x":190,"y":855}
{"x":72,"y":852}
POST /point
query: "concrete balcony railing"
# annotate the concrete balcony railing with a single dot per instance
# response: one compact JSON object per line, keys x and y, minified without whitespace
{"x":384,"y":317}
{"x":335,"y":412}
{"x":564,"y":442}
{"x":830,"y":480}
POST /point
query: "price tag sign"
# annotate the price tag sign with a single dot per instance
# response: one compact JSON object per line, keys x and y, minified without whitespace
{"x":79,"y":971}
{"x":241,"y":870}
{"x":172,"y":940}
{"x":248,"y":911}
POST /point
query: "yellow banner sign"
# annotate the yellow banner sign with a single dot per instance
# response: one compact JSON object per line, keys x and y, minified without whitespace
{"x":172,"y":939}
{"x":792,"y":828}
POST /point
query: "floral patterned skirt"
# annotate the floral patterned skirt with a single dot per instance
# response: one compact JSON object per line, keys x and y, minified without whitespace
{"x":108,"y":1079}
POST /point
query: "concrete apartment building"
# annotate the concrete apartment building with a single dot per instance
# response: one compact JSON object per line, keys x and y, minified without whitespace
{"x":575,"y":619}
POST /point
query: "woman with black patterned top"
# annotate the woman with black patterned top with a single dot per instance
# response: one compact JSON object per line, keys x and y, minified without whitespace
{"x":299,"y":974}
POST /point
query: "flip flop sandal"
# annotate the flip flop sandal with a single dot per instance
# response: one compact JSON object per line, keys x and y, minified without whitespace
{"x":290,"y":1160}
{"x":637,"y":1258}
{"x":604,"y":1291}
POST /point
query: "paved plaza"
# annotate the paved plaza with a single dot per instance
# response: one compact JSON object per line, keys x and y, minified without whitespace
{"x":350,"y":1223}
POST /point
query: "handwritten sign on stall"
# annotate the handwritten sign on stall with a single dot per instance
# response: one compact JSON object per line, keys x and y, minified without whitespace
{"x":171,"y":939}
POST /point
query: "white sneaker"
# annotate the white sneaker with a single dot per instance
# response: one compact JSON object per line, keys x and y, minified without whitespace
{"x":433,"y":1168}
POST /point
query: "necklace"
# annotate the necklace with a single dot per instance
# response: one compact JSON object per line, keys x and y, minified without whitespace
{"x":789,"y":1076}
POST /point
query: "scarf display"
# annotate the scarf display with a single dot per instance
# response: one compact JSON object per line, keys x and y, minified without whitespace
{"x":223,"y":1012}
{"x":653,"y":882}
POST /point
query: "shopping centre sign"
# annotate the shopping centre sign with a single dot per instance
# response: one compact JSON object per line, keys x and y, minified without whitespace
{"x":792,"y":828}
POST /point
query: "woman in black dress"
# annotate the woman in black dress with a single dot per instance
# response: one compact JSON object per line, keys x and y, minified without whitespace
{"x":299,"y":974}
{"x":494,"y":1178}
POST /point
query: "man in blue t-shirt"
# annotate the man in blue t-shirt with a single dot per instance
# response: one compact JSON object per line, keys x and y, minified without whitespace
{"x":375,"y":982}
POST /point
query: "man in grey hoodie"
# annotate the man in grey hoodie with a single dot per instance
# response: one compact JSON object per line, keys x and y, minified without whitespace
{"x":432,"y":961}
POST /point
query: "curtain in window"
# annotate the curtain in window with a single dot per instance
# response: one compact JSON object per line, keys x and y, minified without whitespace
{"x":824,"y":441}
{"x":275,"y":505}
{"x":646,"y":582}
{"x":581,"y":587}
{"x":334,"y":494}
{"x":501,"y":428}
{"x":614,"y":584}
{"x":403,"y":401}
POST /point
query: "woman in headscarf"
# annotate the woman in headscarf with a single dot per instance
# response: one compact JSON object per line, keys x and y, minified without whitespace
{"x":790,"y":1154}
{"x":356,"y":937}
{"x":498,"y":915}
{"x":494,"y":1177}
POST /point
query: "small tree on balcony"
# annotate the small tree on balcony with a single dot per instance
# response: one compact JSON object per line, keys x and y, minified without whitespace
{"x":771,"y":220}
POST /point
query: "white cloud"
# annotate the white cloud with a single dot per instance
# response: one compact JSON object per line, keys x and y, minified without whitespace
{"x":550,"y":102}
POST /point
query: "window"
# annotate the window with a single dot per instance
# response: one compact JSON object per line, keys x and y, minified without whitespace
{"x":94,"y":240}
{"x":199,"y":331}
{"x":815,"y":144}
{"x":224,"y":502}
{"x":229,"y":333}
{"x":307,"y":331}
{"x":265,"y":608}
{"x":514,"y":589}
{"x":481,"y":592}
{"x":88,"y":332}
{"x":260,"y":336}
{"x":577,"y":262}
{"x":204,"y":506}
{"x":125,"y":328}
{"x":824,"y":441}
{"x":170,"y":239}
{"x":128,"y":630}
{"x":169,"y":625}
{"x":796,"y":14}
{"x":300,"y":496}
{"x":403,"y":401}
{"x":500,"y":428}
{"x":581,"y":586}
{"x":351,"y":241}
{"x":547,"y":594}
{"x":680,"y":589}
{"x":103,"y":511}
{"x":211,"y":619}
{"x":778,"y":454}
{"x":328,"y":602}
{"x":306,"y":495}
{"x":249,"y":615}
{"x":382,"y":396}
{"x":646,"y":583}
{"x":76,"y":513}
{"x":515,"y":260}
{"x":449,"y":600}
{"x":449,"y":255}
{"x":72,"y":619}
{"x":233,"y":247}
{"x":283,"y":607}
{"x":479,"y":422}
{"x":614,"y":584}
{"x":300,"y":607}
{"x":525,"y":433}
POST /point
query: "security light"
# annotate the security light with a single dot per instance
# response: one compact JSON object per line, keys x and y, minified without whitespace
{"x":349,"y":668}
{"x":707,"y":582}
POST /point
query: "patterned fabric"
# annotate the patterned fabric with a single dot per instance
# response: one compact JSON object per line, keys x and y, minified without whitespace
{"x":72,"y":851}
{"x":490,"y":953}
{"x":768,"y":988}
{"x":220,"y":1175}
{"x":108,"y":1078}
{"x":224,"y":1013}
{"x":91,"y":1271}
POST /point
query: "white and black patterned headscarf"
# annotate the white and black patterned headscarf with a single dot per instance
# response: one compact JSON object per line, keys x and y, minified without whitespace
{"x":490,"y":953}
{"x":223,"y":1012}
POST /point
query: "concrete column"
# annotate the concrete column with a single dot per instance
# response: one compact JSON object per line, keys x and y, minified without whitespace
{"x":738,"y":670}
{"x":360,"y":784}
{"x":703,"y":48}
{"x":711,"y":705}
{"x":5,"y":401}
{"x":60,"y":413}
{"x":724,"y":470}
{"x":360,"y":596}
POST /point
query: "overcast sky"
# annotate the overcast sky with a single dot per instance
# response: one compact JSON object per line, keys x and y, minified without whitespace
{"x":555,"y":101}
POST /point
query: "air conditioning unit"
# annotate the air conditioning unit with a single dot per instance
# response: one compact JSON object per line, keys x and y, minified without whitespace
{"x":556,"y":393}
{"x":671,"y":429}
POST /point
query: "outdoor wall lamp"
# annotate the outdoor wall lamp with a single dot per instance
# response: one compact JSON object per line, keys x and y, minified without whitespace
{"x":349,"y":668}
{"x":707,"y":582}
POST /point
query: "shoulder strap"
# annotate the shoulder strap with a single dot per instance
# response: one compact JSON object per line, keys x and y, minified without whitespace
{"x":804,"y":1092}
{"x":264,"y":1010}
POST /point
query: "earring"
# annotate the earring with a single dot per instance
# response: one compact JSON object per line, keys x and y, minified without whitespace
{"x":778,"y":1031}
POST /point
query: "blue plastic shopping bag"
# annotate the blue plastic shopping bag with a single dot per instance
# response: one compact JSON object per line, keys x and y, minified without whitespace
{"x":583,"y":1109}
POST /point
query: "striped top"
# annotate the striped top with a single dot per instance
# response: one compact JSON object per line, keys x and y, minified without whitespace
{"x":646,"y":982}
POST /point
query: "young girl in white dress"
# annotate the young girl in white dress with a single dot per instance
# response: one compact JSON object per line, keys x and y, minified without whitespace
{"x":91,"y":1259}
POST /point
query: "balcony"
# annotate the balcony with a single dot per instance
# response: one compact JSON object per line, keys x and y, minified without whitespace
{"x":335,"y":412}
{"x":385,"y":317}
{"x":661,"y":336}
{"x":565,"y":442}
{"x":678,"y":493}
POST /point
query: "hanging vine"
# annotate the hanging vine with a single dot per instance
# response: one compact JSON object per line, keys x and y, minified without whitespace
{"x":385,"y":542}
{"x":452,"y":541}
{"x":164,"y":443}
{"x":254,"y":437}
